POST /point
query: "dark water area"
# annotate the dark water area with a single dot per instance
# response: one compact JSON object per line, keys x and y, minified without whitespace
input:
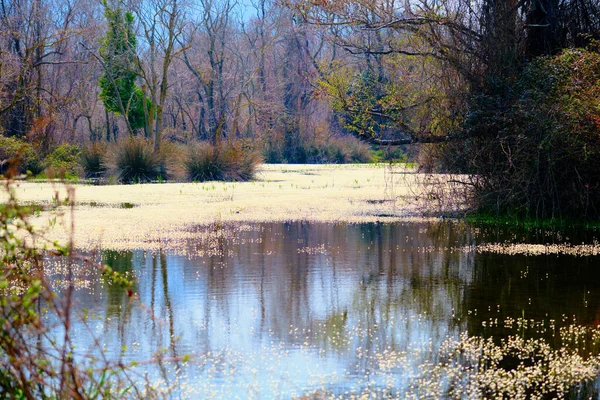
{"x":281,"y":310}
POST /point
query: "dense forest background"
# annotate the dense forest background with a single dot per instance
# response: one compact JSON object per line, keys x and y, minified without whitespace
{"x":506,"y":91}
{"x":210,"y":70}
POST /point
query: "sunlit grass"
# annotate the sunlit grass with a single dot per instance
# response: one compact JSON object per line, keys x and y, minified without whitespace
{"x":163,"y":213}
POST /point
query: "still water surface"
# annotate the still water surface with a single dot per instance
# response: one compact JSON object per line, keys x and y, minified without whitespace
{"x":281,"y":310}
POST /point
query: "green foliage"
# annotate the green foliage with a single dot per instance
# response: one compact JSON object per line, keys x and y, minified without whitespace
{"x":118,"y":52}
{"x":394,"y":100}
{"x":64,"y":160}
{"x":23,"y":153}
{"x":390,"y":154}
{"x":134,"y":161}
{"x":231,"y":162}
{"x":362,"y":102}
{"x":534,"y":143}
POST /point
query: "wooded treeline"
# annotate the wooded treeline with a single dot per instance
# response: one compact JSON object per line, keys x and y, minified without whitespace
{"x":486,"y":85}
{"x":508,"y":90}
{"x":80,"y":71}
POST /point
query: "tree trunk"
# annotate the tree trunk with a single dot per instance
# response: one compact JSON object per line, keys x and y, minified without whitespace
{"x":542,"y":35}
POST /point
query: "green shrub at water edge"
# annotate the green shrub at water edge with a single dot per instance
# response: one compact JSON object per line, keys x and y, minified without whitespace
{"x":11,"y":147}
{"x":532,"y":144}
{"x":64,"y":160}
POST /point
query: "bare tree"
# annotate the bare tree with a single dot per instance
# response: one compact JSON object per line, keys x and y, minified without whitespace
{"x":162,"y":23}
{"x":211,"y":39}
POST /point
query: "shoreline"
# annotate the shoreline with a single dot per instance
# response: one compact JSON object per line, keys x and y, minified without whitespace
{"x":124,"y":217}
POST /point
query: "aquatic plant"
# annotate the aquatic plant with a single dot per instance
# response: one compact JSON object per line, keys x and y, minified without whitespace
{"x":529,"y":249}
{"x":474,"y":367}
{"x":516,"y":368}
{"x":316,"y":192}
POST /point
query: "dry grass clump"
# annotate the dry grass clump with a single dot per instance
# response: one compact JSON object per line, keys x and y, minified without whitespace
{"x":242,"y":161}
{"x":92,"y":160}
{"x":231,"y":162}
{"x":203,"y":163}
{"x":133,"y":160}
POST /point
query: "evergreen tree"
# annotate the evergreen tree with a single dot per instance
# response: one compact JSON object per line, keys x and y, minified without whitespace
{"x":118,"y":52}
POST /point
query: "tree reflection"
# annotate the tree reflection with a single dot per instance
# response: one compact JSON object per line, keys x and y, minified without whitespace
{"x":118,"y":304}
{"x":346,"y":291}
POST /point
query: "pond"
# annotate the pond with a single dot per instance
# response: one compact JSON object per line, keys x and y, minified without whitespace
{"x":285,"y":310}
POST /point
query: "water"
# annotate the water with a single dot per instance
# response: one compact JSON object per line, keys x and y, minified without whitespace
{"x":284,"y":310}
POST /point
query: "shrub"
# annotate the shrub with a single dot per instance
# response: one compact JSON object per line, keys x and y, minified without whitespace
{"x":203,"y":163}
{"x":273,"y":151}
{"x":92,"y":160}
{"x":334,"y":150}
{"x":532,"y":145}
{"x":326,"y":152}
{"x":241,"y":161}
{"x":390,"y":154}
{"x":64,"y":160}
{"x":133,"y":160}
{"x":356,"y":150}
{"x":231,"y":162}
{"x":12,"y":148}
{"x":342,"y":150}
